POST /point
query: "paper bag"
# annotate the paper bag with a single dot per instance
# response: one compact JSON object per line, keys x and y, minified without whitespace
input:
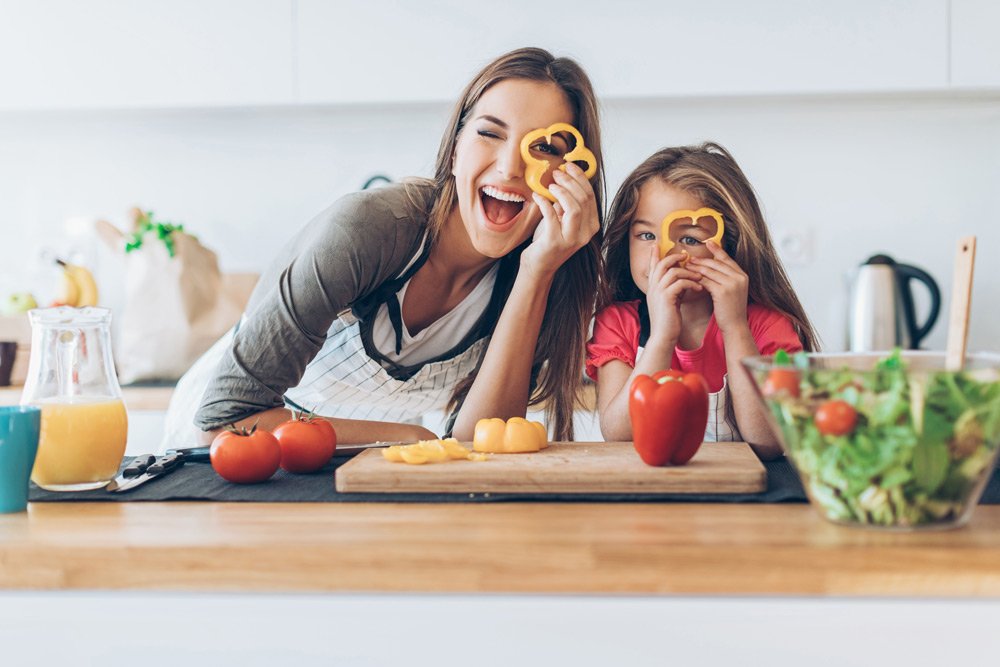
{"x":176,"y":305}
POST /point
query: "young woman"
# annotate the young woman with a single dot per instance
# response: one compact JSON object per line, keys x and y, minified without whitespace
{"x":468,"y":290}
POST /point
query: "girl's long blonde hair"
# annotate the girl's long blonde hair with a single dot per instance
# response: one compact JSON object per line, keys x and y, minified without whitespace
{"x":559,"y":354}
{"x":710,"y":174}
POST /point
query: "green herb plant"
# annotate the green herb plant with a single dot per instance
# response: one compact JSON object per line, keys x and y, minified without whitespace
{"x":163,"y":230}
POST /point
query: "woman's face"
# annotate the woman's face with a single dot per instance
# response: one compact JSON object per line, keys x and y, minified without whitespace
{"x":494,"y":202}
{"x":656,"y":200}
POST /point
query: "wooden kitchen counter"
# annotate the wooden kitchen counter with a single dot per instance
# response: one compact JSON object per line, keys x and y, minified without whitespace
{"x":512,"y":547}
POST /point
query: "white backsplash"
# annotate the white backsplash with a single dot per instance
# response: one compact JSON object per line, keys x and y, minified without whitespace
{"x":839,"y":179}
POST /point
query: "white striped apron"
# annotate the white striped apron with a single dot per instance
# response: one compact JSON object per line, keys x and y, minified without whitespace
{"x":340,"y":381}
{"x":343,"y":381}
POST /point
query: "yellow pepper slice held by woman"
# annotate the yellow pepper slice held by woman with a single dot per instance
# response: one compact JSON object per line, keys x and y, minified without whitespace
{"x":537,"y":166}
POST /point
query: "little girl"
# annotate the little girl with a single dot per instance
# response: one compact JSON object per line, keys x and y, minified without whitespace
{"x":703,"y":306}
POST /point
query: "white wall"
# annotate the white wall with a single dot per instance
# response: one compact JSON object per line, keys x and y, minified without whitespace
{"x":848,"y":175}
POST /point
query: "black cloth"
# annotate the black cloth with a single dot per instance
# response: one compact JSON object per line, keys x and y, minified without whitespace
{"x":197,"y":481}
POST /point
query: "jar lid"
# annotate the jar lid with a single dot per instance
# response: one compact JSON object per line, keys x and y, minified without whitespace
{"x":77,"y":317}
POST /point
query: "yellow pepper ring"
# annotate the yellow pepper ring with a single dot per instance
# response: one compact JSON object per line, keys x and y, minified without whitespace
{"x":666,"y":245}
{"x":535,"y":168}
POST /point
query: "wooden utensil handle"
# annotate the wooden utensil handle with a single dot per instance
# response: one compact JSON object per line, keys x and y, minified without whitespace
{"x":961,"y":302}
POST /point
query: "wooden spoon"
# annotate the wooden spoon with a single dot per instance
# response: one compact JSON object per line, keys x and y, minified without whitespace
{"x":961,"y":301}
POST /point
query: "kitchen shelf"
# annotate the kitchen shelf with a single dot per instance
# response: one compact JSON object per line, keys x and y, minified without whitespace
{"x":136,"y":398}
{"x":158,"y":398}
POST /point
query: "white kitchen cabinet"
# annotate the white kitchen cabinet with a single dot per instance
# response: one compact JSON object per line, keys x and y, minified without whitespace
{"x":385,"y":50}
{"x":59,"y":54}
{"x":975,"y":43}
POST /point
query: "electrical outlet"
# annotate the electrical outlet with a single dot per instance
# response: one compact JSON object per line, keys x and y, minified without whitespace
{"x":794,"y":246}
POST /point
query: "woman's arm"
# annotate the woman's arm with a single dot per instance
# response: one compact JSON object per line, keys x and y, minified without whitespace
{"x":502,"y":384}
{"x":349,"y":431}
{"x":345,"y":252}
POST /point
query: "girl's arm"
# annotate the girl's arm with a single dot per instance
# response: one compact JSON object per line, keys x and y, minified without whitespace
{"x":728,"y":285}
{"x":502,"y":384}
{"x":349,"y":431}
{"x":751,"y":417}
{"x":614,"y":380}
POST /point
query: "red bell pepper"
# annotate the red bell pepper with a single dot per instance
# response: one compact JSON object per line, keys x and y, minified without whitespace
{"x":669,"y":412}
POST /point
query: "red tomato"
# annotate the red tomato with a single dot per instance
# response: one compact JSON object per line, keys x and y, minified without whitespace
{"x":306,"y":444}
{"x":835,"y":418}
{"x":245,"y":457}
{"x":782,"y":381}
{"x":327,"y":428}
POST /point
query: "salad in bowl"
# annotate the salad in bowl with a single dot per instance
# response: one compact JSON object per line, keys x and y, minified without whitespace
{"x":887,"y":440}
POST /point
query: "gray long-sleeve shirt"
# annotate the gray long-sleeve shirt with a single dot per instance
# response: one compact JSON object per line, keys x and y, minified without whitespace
{"x":341,"y":256}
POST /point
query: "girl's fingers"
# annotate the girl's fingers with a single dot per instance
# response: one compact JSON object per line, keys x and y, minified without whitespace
{"x":715,"y":273}
{"x":677,"y":272}
{"x":652,"y":264}
{"x":716,"y":264}
{"x":663,"y":266}
{"x":674,"y":289}
{"x":716,"y":250}
{"x":720,"y":255}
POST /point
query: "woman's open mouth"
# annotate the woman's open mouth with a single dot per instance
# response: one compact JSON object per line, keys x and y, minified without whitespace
{"x":500,"y":208}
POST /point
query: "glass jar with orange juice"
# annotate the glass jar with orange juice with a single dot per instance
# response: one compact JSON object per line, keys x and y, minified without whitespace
{"x":71,"y":377}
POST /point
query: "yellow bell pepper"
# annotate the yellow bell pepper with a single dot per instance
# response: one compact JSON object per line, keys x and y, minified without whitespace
{"x":429,"y":451}
{"x":667,"y":244}
{"x":516,"y":435}
{"x":535,"y":168}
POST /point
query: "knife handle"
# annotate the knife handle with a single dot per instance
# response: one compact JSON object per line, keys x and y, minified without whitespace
{"x":165,"y":464}
{"x":192,"y":453}
{"x":138,"y":465}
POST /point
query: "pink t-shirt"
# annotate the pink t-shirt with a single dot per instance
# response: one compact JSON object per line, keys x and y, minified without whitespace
{"x":616,"y":336}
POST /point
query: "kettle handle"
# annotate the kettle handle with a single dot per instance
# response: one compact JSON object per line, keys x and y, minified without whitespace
{"x":905,"y":273}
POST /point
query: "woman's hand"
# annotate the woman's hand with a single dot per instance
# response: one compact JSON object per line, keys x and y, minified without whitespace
{"x":668,"y":281}
{"x":727,"y":284}
{"x":566,"y":226}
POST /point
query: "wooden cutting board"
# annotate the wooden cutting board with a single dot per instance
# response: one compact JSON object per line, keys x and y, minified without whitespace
{"x":563,"y":467}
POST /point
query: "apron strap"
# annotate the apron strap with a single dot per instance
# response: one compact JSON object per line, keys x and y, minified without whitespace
{"x":396,"y":317}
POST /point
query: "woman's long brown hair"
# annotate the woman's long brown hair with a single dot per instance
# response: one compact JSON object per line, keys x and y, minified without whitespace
{"x":559,"y":353}
{"x":710,"y":174}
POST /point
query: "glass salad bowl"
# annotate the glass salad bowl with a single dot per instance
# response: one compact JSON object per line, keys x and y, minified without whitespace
{"x":887,"y":440}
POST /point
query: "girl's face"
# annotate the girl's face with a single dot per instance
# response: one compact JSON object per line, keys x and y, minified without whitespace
{"x":494,"y":202}
{"x":656,"y":200}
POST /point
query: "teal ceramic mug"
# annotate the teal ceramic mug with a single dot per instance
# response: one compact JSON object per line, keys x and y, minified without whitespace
{"x":19,"y":427}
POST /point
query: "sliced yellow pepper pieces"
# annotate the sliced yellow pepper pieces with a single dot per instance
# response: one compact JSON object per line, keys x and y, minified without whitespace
{"x":516,"y":435}
{"x":429,"y":451}
{"x":536,"y":168}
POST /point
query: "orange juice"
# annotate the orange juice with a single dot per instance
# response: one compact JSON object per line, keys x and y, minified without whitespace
{"x":82,"y":442}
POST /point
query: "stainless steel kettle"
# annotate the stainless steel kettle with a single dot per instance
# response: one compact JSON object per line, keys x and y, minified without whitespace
{"x":881,"y":312}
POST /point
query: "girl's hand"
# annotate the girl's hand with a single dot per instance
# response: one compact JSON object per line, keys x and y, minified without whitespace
{"x":727,"y":284}
{"x":566,"y":226}
{"x":668,"y":281}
